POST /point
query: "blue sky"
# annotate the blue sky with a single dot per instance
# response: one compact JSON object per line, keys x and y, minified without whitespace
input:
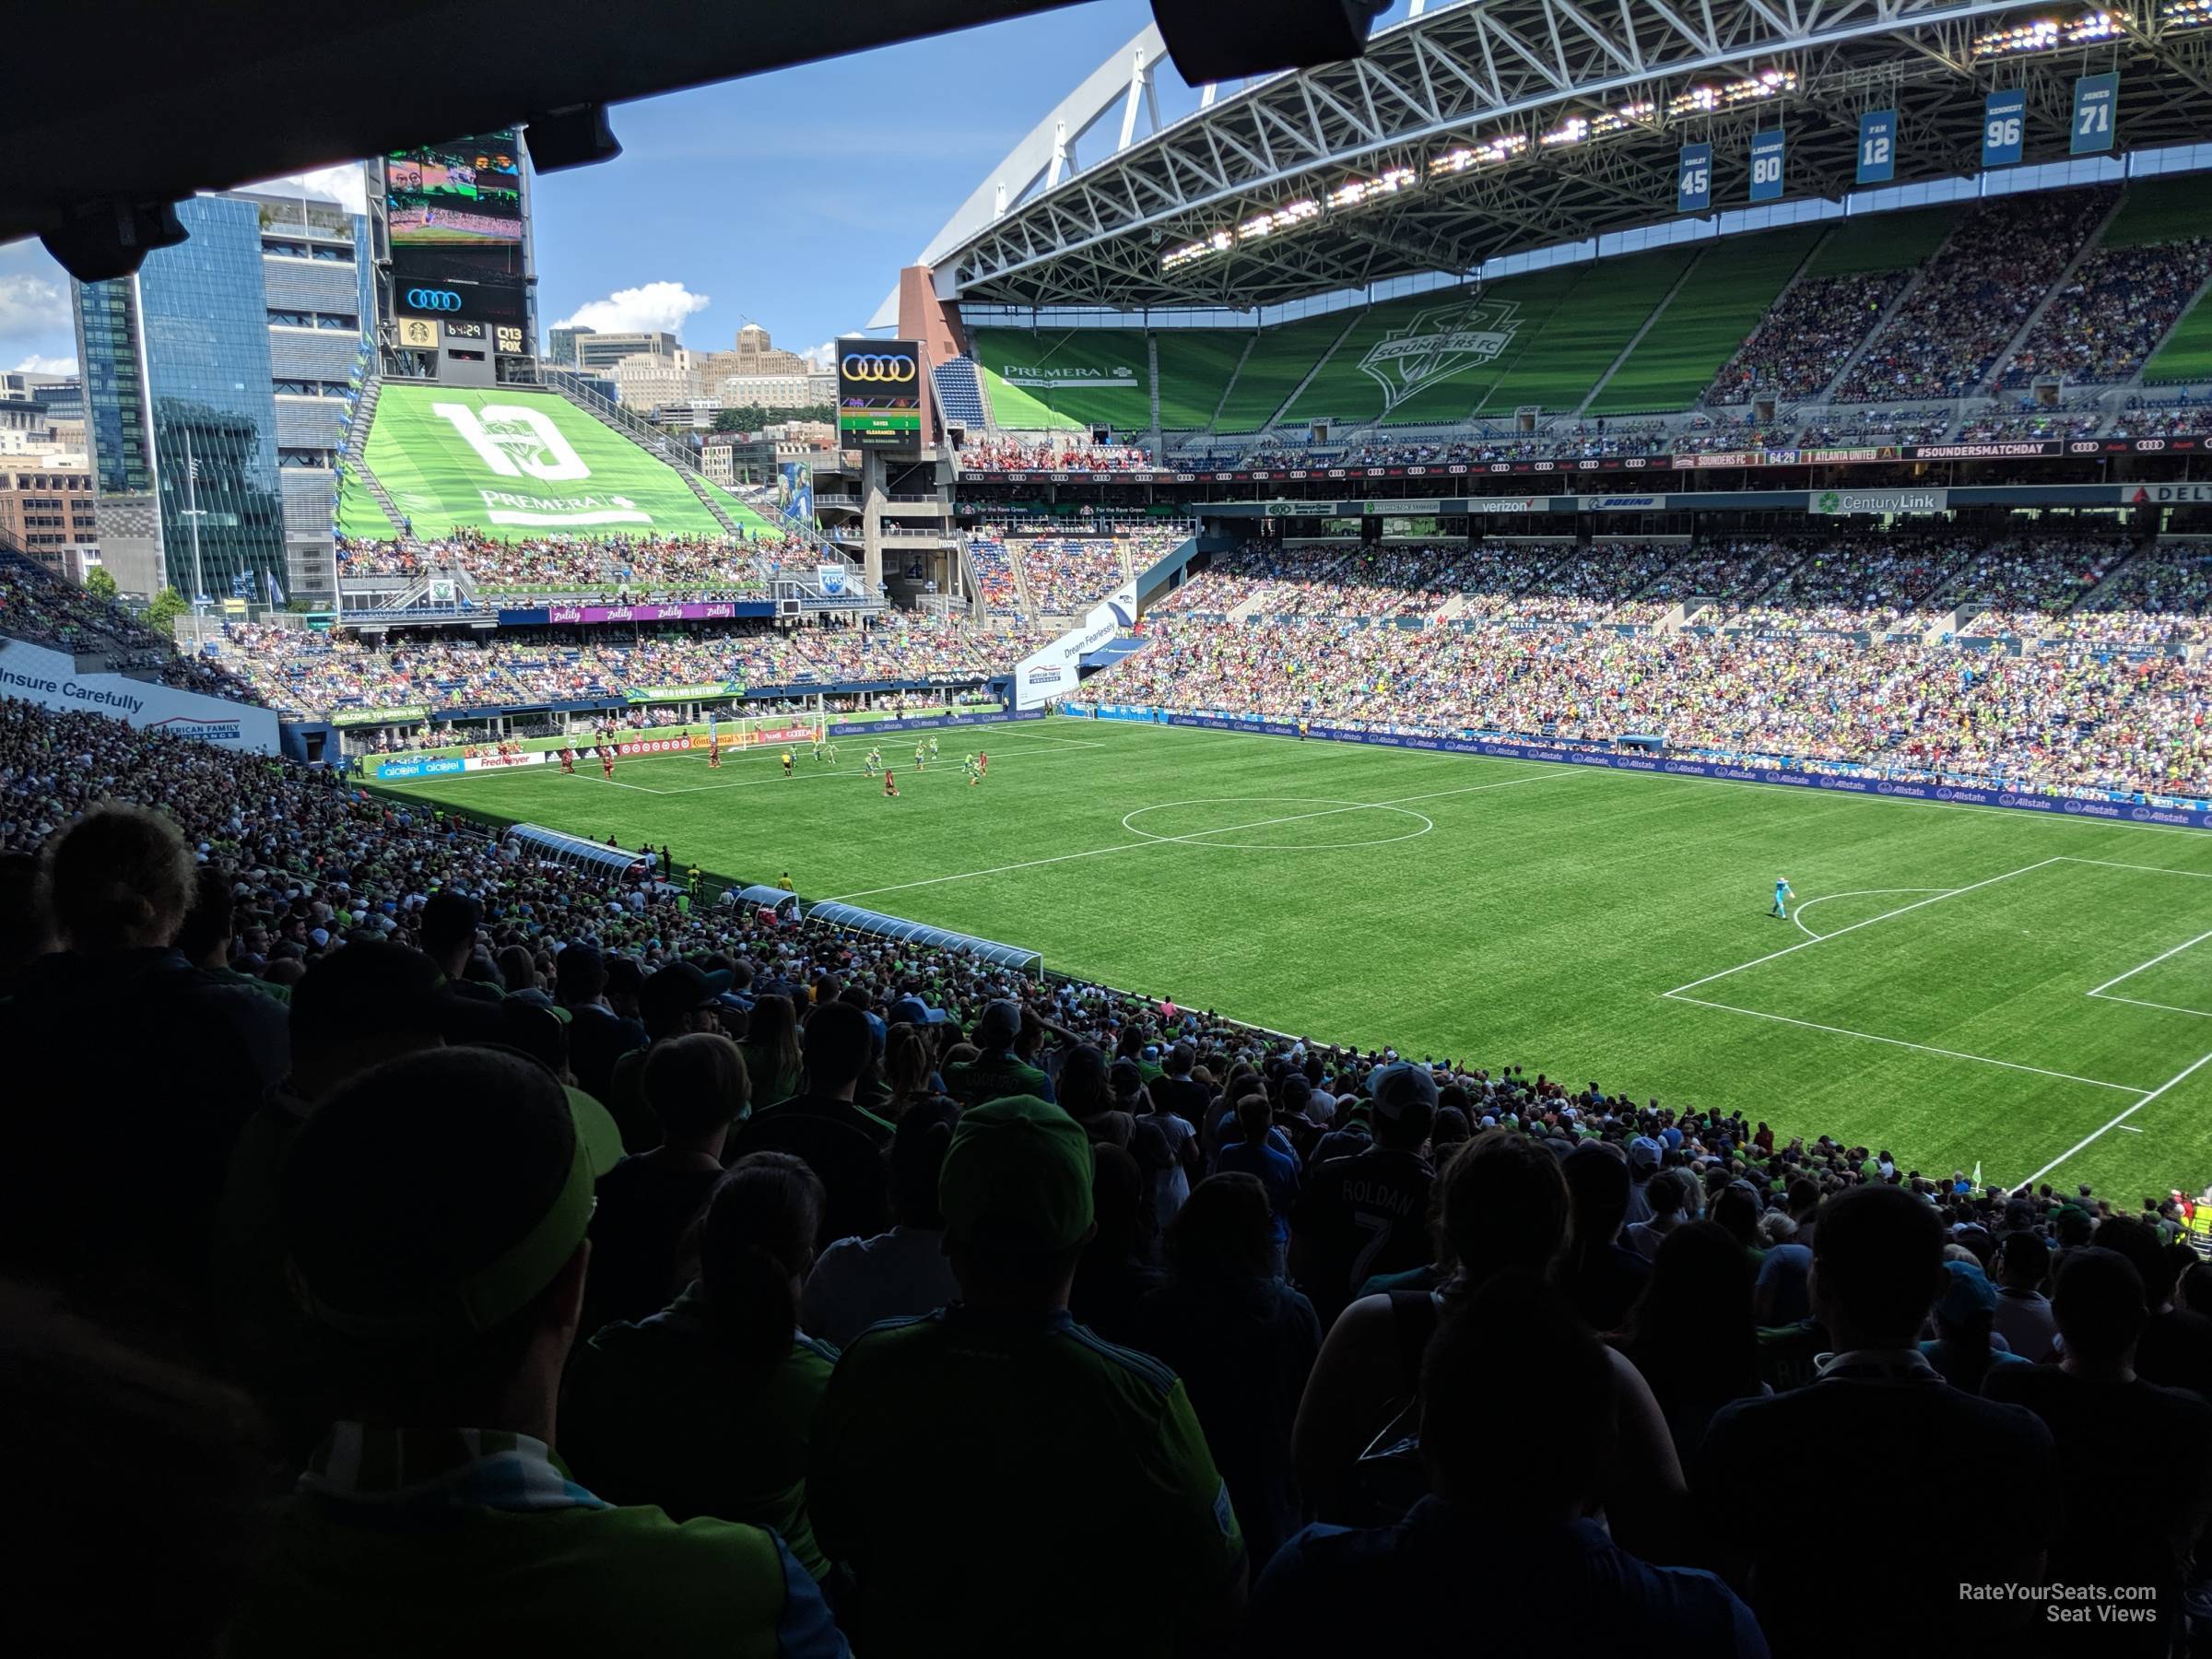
{"x":777,"y":199}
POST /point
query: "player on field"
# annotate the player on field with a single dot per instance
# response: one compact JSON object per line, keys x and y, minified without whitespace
{"x":874,"y":762}
{"x":830,"y":748}
{"x":713,"y":745}
{"x":818,"y":748}
{"x":967,"y":766}
{"x":568,"y":760}
{"x":1784,"y":894}
{"x":787,"y":760}
{"x":933,"y":746}
{"x":920,"y":751}
{"x":982,"y":762}
{"x":606,"y":761}
{"x":890,"y":789}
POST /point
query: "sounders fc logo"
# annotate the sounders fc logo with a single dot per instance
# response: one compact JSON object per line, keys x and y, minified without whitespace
{"x":1439,"y":344}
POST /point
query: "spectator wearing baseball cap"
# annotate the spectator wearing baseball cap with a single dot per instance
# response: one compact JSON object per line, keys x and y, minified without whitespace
{"x":435,"y":1211}
{"x":597,"y":1035}
{"x":694,"y":1085}
{"x":1645,"y":1155}
{"x":999,"y":1480}
{"x":674,"y":999}
{"x":902,"y":1272}
{"x":1367,"y":1214}
{"x":840,"y":1141}
{"x":996,"y":1071}
{"x":1966,"y":1348}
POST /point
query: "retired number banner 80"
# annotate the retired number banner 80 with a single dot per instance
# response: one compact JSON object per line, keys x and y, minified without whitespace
{"x":879,"y":394}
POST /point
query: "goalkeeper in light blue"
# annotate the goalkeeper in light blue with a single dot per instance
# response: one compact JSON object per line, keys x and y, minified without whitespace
{"x":1784,"y":894}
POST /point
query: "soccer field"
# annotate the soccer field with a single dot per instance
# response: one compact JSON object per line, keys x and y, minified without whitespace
{"x":1959,"y":984}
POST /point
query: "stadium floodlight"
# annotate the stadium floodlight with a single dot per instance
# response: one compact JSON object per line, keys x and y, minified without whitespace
{"x":1212,"y":42}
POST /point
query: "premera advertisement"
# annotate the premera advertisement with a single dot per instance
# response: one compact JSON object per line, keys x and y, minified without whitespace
{"x":514,"y":463}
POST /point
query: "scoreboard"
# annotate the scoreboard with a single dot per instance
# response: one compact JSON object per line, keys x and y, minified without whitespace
{"x":458,"y":235}
{"x":879,"y":396}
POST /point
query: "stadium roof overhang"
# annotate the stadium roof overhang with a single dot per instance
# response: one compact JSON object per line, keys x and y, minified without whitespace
{"x":131,"y":101}
{"x":1496,"y":125}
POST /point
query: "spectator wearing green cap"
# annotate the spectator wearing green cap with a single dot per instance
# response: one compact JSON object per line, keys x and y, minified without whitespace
{"x":434,"y":1211}
{"x":998,"y":1480}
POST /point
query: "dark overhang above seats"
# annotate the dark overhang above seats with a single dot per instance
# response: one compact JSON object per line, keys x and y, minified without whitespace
{"x":123,"y":101}
{"x":1493,"y":127}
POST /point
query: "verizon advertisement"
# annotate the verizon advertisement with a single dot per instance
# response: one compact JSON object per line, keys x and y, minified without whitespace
{"x":1053,"y":671}
{"x":50,"y":679}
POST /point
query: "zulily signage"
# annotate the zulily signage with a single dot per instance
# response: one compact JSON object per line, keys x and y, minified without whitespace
{"x":50,"y":679}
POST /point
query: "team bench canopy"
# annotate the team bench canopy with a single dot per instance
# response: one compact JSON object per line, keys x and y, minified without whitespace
{"x":783,"y":901}
{"x":898,"y":927}
{"x":559,"y":847}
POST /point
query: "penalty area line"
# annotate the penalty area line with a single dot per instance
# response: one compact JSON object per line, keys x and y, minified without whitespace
{"x":1925,"y":1048}
{"x":2118,"y":1122}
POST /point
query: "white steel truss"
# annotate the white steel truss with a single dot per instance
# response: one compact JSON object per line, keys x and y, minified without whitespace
{"x":1650,"y":75}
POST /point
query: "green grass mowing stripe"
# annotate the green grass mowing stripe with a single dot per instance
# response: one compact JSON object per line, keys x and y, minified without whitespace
{"x":1539,"y":926}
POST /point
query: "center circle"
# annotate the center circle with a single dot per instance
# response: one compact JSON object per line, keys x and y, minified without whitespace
{"x":1257,"y":812}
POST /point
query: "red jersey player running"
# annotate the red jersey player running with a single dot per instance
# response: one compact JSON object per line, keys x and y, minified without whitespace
{"x":606,"y":761}
{"x":890,"y":789}
{"x":568,"y":761}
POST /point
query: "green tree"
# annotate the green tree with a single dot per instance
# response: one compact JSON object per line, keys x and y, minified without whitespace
{"x":727,"y":421}
{"x":98,"y":583}
{"x":167,"y":606}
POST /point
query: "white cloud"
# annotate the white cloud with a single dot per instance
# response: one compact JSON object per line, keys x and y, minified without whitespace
{"x":35,"y":364}
{"x":823,"y":356}
{"x":31,"y":305}
{"x":655,"y":307}
{"x":346,"y":186}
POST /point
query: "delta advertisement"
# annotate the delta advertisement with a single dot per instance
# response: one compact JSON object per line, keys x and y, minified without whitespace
{"x":1053,"y":671}
{"x":50,"y":679}
{"x":1957,"y":794}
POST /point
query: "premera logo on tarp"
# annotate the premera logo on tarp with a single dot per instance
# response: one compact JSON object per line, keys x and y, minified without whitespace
{"x":1441,"y":343}
{"x":520,"y":462}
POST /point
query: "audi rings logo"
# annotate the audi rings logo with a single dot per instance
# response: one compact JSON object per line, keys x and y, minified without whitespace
{"x":893,"y":370}
{"x":433,"y":299}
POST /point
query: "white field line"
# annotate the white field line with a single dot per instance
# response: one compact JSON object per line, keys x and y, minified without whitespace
{"x":1295,"y":817}
{"x":1869,"y":922}
{"x":1798,"y":916}
{"x":2140,"y":967}
{"x":2118,"y":1122}
{"x":1925,"y":1048}
{"x":2163,"y":1007}
{"x":2146,"y":869}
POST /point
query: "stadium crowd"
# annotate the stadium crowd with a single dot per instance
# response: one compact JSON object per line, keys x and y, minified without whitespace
{"x":1806,"y":336}
{"x":1769,"y":666}
{"x":331,"y":674}
{"x":62,"y":616}
{"x":1974,"y":296}
{"x":471,"y":1250}
{"x":666,"y":566}
{"x":2113,"y":312}
{"x":1054,"y":455}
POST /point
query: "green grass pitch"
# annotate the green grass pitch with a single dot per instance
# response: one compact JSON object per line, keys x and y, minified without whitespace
{"x":1959,"y":985}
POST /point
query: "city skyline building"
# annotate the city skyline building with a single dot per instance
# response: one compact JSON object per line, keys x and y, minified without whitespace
{"x":216,"y":381}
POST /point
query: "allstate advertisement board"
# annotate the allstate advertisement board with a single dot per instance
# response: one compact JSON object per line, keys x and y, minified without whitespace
{"x":50,"y":679}
{"x":1053,"y":671}
{"x":1958,"y":795}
